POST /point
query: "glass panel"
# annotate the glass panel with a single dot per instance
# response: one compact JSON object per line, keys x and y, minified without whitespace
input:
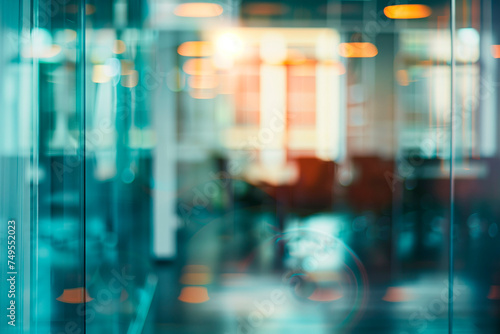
{"x":119,"y":142}
{"x":59,"y":279}
{"x":248,"y":167}
{"x":476,"y":157}
{"x":16,"y":172}
{"x":313,"y":166}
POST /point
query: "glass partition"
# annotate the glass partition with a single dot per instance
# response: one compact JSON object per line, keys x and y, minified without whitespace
{"x":16,"y":173}
{"x":249,"y":167}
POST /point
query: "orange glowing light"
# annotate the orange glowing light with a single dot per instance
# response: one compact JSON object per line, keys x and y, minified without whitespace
{"x":495,"y":51}
{"x":403,"y":77}
{"x":198,"y":66}
{"x":194,"y":295}
{"x":119,"y":47}
{"x":198,"y":9}
{"x":358,"y":50}
{"x":203,"y":81}
{"x":325,"y":295}
{"x":407,"y":11}
{"x":303,"y":70}
{"x":195,"y":279}
{"x":295,"y":57}
{"x":396,"y":295}
{"x":195,"y":49}
{"x":426,"y":63}
{"x":75,"y":296}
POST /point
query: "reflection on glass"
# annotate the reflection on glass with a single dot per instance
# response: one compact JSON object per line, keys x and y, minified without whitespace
{"x":249,"y":167}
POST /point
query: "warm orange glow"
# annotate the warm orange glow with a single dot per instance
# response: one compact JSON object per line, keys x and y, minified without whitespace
{"x":407,"y":11}
{"x":395,"y":295}
{"x":426,"y":63}
{"x":198,"y":67}
{"x":295,"y":57}
{"x":402,"y":77}
{"x":203,"y":81}
{"x":119,"y":47}
{"x":196,"y":279}
{"x":195,"y":49}
{"x":357,"y":50}
{"x":75,"y":296}
{"x":194,"y":295}
{"x":495,"y":51}
{"x":325,"y":295}
{"x":198,"y":9}
{"x":264,"y":9}
{"x":303,"y":70}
